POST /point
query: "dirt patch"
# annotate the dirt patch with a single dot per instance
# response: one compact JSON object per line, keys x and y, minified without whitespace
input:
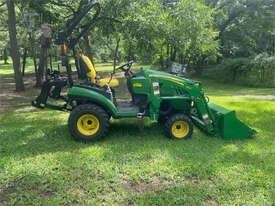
{"x":156,"y":180}
{"x":80,"y":192}
{"x":12,"y":188}
{"x":5,"y":192}
{"x":210,"y":202}
{"x":20,"y":185}
{"x":10,"y":100}
{"x":126,"y":204}
{"x":157,"y":184}
{"x":47,"y":195}
{"x":195,"y":182}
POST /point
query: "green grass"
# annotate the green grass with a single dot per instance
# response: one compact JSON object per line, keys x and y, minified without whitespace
{"x":40,"y":164}
{"x":213,"y":88}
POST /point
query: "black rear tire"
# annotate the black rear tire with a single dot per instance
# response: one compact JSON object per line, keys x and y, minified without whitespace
{"x":162,"y":119}
{"x":179,"y":127}
{"x":88,"y":122}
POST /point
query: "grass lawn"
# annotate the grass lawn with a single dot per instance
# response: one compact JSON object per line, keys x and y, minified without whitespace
{"x":40,"y":164}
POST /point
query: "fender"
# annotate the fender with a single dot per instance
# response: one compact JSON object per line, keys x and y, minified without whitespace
{"x":85,"y":94}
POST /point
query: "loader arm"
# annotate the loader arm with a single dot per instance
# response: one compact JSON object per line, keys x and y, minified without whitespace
{"x":173,"y":88}
{"x":189,"y":95}
{"x":200,"y":113}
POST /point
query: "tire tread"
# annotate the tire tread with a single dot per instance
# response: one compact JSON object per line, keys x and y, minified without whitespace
{"x":177,"y":117}
{"x":89,"y":108}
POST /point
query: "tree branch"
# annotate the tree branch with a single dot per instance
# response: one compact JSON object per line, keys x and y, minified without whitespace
{"x":2,"y":4}
{"x":109,"y":18}
{"x":108,"y":45}
{"x":63,"y":5}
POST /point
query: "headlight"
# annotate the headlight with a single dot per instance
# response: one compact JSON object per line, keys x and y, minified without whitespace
{"x":197,"y":84}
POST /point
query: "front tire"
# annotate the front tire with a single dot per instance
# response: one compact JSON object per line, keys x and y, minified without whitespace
{"x":179,"y":127}
{"x":88,"y":122}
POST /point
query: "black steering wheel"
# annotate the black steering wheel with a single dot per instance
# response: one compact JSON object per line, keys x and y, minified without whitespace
{"x":127,"y":68}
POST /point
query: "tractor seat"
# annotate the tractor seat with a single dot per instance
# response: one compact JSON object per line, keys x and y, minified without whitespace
{"x":91,"y":73}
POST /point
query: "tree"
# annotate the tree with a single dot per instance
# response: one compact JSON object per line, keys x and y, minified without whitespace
{"x":45,"y":45}
{"x":246,"y":27}
{"x":165,"y":31}
{"x":5,"y":56}
{"x":19,"y":84}
{"x":4,"y":36}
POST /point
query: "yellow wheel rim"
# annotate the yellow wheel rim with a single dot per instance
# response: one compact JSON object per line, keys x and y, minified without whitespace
{"x":88,"y":124}
{"x":180,"y":129}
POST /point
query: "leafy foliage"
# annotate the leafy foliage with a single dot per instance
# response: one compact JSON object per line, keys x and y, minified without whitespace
{"x":264,"y":66}
{"x":196,"y":33}
{"x":257,"y":71}
{"x":247,"y":27}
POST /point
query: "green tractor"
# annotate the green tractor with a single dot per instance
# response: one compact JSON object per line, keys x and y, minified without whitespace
{"x":173,"y":101}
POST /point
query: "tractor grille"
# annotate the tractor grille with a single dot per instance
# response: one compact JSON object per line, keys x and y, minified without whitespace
{"x":180,"y":92}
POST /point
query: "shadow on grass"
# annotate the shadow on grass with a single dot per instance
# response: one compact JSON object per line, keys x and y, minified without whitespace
{"x":123,"y":138}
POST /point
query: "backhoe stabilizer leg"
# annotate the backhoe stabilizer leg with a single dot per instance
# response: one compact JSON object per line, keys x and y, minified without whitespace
{"x":41,"y":100}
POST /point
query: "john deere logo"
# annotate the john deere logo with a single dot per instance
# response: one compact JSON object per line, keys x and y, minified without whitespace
{"x":137,"y":85}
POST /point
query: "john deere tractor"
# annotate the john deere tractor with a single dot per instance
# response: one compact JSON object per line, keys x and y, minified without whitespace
{"x":173,"y":101}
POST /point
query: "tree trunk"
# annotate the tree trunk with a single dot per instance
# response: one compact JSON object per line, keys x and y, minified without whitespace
{"x":181,"y":58}
{"x":130,"y":55}
{"x":173,"y":54}
{"x":161,"y":60}
{"x":51,"y":62}
{"x":46,"y":66}
{"x":5,"y":56}
{"x":56,"y":54}
{"x":42,"y":65}
{"x":34,"y":63}
{"x":19,"y":84}
{"x":273,"y":47}
{"x":116,"y":52}
{"x":199,"y":66}
{"x":45,"y":44}
{"x":33,"y":54}
{"x":24,"y":61}
{"x":168,"y":55}
{"x":87,"y":47}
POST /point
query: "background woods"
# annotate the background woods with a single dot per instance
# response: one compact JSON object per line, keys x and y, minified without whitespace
{"x":211,"y":37}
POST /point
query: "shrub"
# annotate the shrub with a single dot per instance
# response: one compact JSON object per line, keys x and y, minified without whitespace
{"x":257,"y":71}
{"x":264,"y":69}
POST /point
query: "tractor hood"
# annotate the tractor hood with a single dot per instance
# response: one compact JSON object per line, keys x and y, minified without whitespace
{"x":173,"y":79}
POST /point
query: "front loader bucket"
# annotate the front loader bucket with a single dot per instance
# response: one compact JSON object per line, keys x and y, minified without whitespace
{"x":227,"y":124}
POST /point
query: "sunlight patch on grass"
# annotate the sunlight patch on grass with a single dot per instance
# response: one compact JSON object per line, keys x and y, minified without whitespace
{"x":230,"y":148}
